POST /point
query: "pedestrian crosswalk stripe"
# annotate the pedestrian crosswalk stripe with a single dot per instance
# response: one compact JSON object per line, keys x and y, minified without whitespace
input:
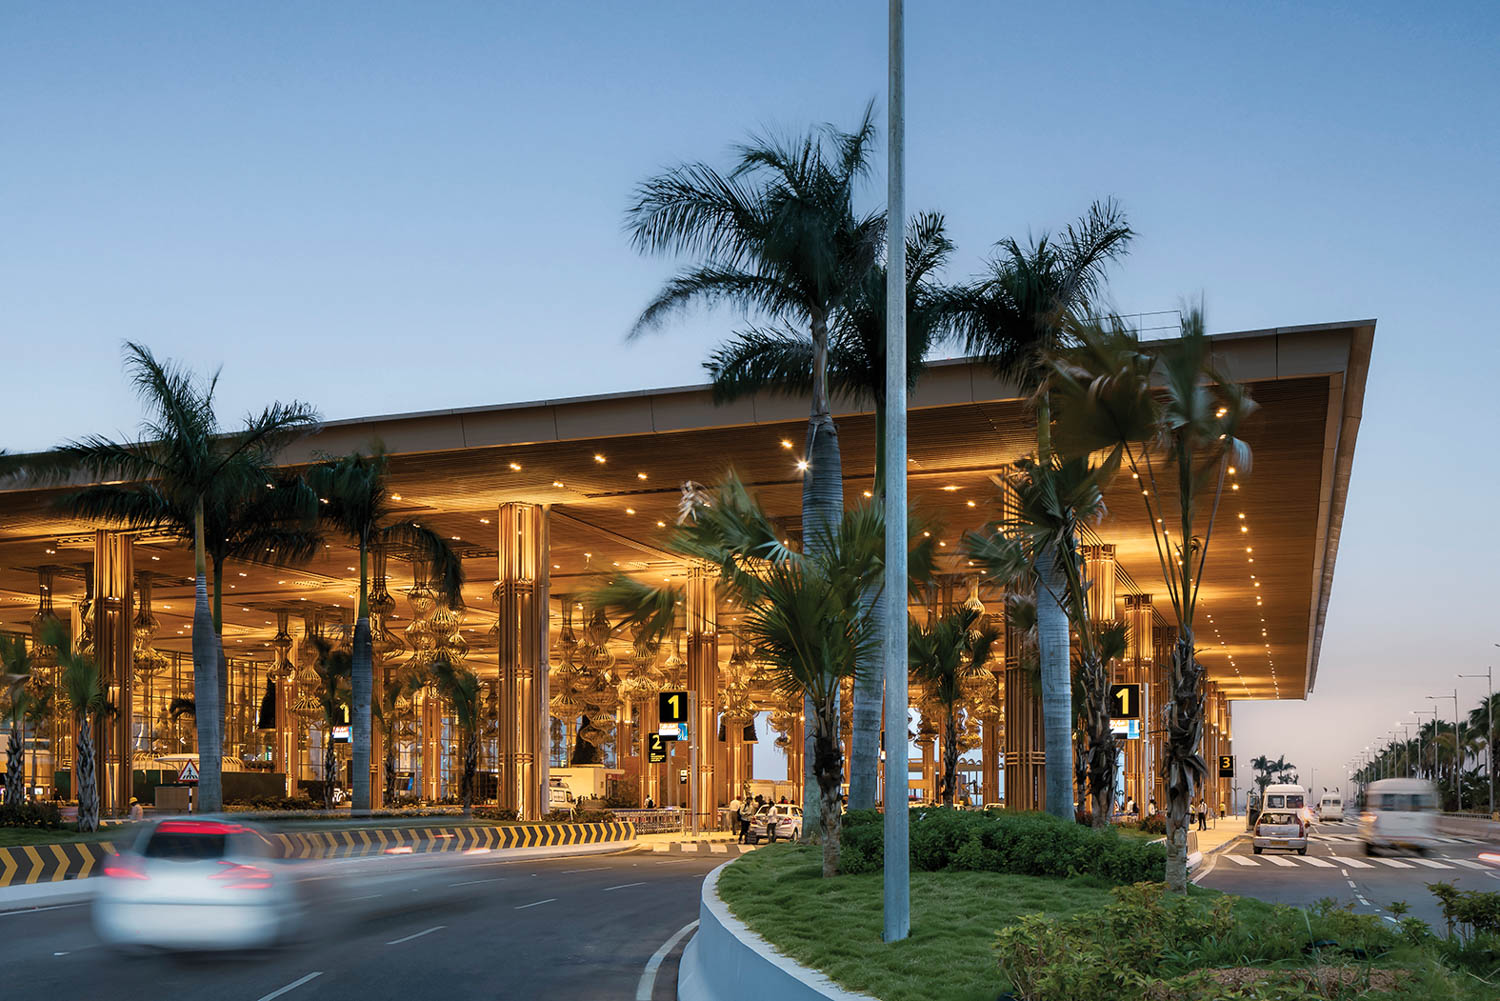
{"x":1467,"y":864}
{"x":1394,"y":863}
{"x":1281,"y":860}
{"x":1352,"y":863}
{"x":1431,"y":864}
{"x":1310,"y":860}
{"x":1241,"y":859}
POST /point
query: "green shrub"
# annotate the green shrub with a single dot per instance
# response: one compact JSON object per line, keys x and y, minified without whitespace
{"x":579,"y":816}
{"x":1148,"y":943}
{"x":40,"y":814}
{"x":1028,"y":844}
{"x":259,"y":803}
{"x":495,"y":813}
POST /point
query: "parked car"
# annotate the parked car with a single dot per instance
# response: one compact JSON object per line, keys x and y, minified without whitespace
{"x":1399,"y":813}
{"x":1280,"y":829}
{"x":194,"y":884}
{"x":776,"y":821}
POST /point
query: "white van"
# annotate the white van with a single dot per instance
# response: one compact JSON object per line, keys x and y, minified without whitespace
{"x":1287,"y":798}
{"x":1331,"y":807}
{"x":1399,"y":813}
{"x":559,"y":796}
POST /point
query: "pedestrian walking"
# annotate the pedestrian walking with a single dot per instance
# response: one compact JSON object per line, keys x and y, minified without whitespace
{"x":1202,"y":814}
{"x":747,"y":813}
{"x":733,"y":813}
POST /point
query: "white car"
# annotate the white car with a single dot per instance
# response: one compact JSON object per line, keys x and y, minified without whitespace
{"x":194,"y":884}
{"x":1281,"y":829}
{"x":1399,"y":813}
{"x":778,"y":821}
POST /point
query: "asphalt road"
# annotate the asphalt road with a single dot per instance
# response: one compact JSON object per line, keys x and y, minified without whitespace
{"x":1336,"y":866}
{"x":408,"y":927}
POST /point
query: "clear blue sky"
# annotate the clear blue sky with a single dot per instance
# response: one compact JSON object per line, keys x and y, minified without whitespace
{"x":384,"y":207}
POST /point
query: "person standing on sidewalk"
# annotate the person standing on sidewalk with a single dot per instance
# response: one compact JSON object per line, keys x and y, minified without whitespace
{"x":747,"y":813}
{"x":732,"y":814}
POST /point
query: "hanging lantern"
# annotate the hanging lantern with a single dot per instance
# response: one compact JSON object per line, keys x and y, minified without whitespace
{"x":42,"y":655}
{"x":1140,"y":629}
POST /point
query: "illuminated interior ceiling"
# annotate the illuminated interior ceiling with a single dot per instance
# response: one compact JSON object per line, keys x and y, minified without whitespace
{"x":612,"y":468}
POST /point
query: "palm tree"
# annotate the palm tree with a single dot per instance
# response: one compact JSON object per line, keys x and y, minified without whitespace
{"x":777,"y":235}
{"x":945,"y":655}
{"x":1268,"y":771}
{"x":356,"y":500}
{"x":1053,"y":498}
{"x":385,"y":714}
{"x":193,"y":478}
{"x":15,"y":667}
{"x":1482,"y":718}
{"x":781,"y":360}
{"x":332,"y":664}
{"x":82,"y":689}
{"x":1014,"y":318}
{"x":459,"y":687}
{"x":1189,"y":428}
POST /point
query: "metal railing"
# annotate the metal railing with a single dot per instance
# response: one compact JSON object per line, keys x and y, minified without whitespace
{"x":665,"y":820}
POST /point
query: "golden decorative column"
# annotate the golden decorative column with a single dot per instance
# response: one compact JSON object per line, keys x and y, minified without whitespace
{"x":703,"y":680}
{"x":114,"y":649}
{"x":1136,"y":668}
{"x":522,"y":606}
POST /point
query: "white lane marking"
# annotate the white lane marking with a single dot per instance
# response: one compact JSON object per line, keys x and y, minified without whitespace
{"x":368,"y":896}
{"x":1352,"y":863}
{"x":419,"y":934}
{"x":291,"y":986}
{"x":471,"y":882}
{"x":1468,"y":864}
{"x":537,"y":903}
{"x":622,"y":886}
{"x":1242,"y":859}
{"x":1280,"y":860}
{"x":648,"y":978}
{"x":1317,"y":862}
{"x":1394,"y":863}
{"x":33,"y":910}
{"x":1429,"y":863}
{"x":597,"y":868}
{"x":1390,"y":919}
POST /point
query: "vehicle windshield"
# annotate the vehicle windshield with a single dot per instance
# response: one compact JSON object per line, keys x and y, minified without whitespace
{"x":188,"y":842}
{"x":1285,"y":801}
{"x":1403,"y":802}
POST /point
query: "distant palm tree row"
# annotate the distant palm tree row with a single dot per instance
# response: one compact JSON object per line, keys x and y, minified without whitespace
{"x":780,"y":238}
{"x":1455,"y":757}
{"x":220,"y":492}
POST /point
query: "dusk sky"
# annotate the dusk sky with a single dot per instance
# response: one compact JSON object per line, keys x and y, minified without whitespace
{"x":384,"y":207}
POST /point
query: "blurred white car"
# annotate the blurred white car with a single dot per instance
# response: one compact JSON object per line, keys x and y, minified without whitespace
{"x":190,"y":883}
{"x":1399,"y":813}
{"x":778,"y":821}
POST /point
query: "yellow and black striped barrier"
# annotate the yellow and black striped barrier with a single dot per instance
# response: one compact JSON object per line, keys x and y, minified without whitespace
{"x":54,"y":863}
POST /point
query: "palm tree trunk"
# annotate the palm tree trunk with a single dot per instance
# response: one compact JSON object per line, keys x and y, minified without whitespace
{"x":1057,"y":691}
{"x":206,"y":653}
{"x":15,"y":762}
{"x":822,"y":510}
{"x":828,"y":767}
{"x":471,"y":769}
{"x":330,"y":765}
{"x":869,"y":672}
{"x":362,"y":687}
{"x":1182,"y":767}
{"x":389,"y":745}
{"x":950,"y":757}
{"x":88,"y":786}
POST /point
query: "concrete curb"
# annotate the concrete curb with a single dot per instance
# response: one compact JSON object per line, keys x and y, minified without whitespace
{"x":726,"y":961}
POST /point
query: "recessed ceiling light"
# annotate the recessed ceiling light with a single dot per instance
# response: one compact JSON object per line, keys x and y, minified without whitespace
{"x":395,"y":496}
{"x":484,"y":521}
{"x":802,"y":465}
{"x":950,"y":488}
{"x":557,"y":483}
{"x":516,"y":466}
{"x":599,"y":458}
{"x":640,"y":476}
{"x":630,"y":510}
{"x":786,"y":443}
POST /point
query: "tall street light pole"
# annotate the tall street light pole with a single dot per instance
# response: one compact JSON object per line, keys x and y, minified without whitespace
{"x":897,"y":863}
{"x":1458,"y":777}
{"x":1419,"y":713}
{"x":1489,"y":723}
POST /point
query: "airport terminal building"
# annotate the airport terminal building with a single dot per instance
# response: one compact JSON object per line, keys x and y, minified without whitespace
{"x":542,"y":499}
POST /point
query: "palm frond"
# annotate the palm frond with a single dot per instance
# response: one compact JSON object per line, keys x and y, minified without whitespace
{"x":760,"y":358}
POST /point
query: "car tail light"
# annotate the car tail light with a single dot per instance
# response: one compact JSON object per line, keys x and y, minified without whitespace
{"x":121,"y":868}
{"x":243,"y":877}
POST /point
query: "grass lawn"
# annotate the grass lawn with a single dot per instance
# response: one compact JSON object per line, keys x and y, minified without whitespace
{"x":835,"y":925}
{"x":14,"y":837}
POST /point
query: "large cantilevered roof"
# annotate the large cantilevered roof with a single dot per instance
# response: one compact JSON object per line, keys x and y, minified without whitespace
{"x":611,"y":467}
